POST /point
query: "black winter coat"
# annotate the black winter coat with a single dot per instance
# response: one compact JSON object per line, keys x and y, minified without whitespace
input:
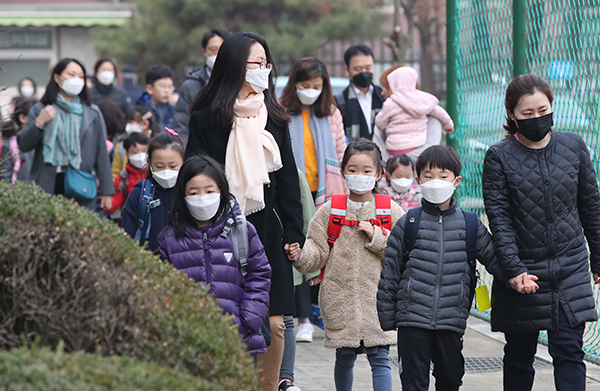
{"x":538,"y":201}
{"x":112,"y":92}
{"x":431,"y":290}
{"x":281,"y":220}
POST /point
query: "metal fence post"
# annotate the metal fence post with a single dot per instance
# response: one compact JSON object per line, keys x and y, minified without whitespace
{"x":519,"y":37}
{"x":451,"y":69}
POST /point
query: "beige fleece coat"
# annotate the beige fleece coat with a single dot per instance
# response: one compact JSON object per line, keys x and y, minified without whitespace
{"x":348,"y":295}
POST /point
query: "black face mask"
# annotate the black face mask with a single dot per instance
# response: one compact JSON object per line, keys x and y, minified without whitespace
{"x":535,"y":129}
{"x":363,"y":79}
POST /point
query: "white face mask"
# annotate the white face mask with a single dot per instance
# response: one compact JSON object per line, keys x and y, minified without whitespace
{"x":402,"y":185}
{"x":203,"y":208}
{"x":437,"y":191}
{"x":165,"y":178}
{"x":258,"y":79}
{"x":106,"y":78}
{"x":210,"y":61}
{"x":132,"y":128}
{"x":360,"y":184}
{"x":27,"y":91}
{"x":308,"y":96}
{"x":72,"y":86}
{"x":139,"y":160}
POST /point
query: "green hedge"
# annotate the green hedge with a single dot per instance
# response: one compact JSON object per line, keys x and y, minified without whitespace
{"x":69,"y":275}
{"x":40,"y":369}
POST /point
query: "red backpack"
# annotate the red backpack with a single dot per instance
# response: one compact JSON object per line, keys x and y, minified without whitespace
{"x":337,"y":217}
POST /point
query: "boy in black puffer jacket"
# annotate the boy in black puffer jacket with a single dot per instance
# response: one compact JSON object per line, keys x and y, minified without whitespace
{"x":426,"y":282}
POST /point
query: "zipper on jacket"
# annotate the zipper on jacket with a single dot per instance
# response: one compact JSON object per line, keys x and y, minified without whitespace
{"x":206,"y":259}
{"x":278,"y":219}
{"x":438,"y":277}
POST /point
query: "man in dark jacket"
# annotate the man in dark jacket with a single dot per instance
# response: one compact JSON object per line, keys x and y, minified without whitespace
{"x":196,"y":79}
{"x":426,"y":295}
{"x":130,"y":77}
{"x":360,"y":102}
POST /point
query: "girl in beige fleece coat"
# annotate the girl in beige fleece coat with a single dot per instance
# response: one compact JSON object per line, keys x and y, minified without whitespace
{"x":348,"y":294}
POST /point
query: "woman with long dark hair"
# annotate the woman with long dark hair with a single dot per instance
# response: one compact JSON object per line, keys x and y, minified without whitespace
{"x":66,"y":130}
{"x":541,"y":197}
{"x":316,"y":128}
{"x":236,"y":120}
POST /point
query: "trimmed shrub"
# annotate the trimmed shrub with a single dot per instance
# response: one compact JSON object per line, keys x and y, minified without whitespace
{"x":69,"y":275}
{"x":41,"y":369}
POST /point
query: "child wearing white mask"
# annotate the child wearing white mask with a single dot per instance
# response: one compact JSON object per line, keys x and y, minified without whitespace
{"x":428,"y":277}
{"x":147,"y":210}
{"x":351,"y":258}
{"x":200,"y":241}
{"x":135,"y":145}
{"x":399,"y":182}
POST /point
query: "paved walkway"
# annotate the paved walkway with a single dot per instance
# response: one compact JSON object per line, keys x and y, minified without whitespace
{"x":482,"y":349}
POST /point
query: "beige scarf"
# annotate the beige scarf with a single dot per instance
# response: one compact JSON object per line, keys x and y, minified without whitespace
{"x":252,"y":153}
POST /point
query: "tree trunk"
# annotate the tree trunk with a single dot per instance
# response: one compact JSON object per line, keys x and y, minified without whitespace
{"x":426,"y":62}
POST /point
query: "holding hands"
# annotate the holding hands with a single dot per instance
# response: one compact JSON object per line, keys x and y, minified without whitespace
{"x":524,"y":283}
{"x":292,"y":251}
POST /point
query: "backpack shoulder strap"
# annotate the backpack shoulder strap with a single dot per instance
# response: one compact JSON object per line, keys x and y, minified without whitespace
{"x":146,"y":203}
{"x":383,"y":210}
{"x":238,"y":227}
{"x":411,"y":227}
{"x":340,"y":101}
{"x":471,"y":224}
{"x":336,"y":217}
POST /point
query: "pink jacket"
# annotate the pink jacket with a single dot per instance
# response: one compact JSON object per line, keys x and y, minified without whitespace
{"x":403,"y":116}
{"x":337,"y":130}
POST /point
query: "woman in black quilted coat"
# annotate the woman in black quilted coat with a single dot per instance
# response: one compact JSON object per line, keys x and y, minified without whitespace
{"x":541,"y":197}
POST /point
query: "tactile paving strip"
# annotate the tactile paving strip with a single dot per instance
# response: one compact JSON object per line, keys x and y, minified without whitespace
{"x":484,"y":364}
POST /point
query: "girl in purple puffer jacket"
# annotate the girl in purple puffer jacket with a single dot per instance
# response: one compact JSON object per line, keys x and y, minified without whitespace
{"x":195,"y":243}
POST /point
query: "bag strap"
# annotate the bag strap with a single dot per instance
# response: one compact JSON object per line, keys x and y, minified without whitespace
{"x":239,"y":228}
{"x":337,"y":217}
{"x":472,"y":224}
{"x":146,"y":203}
{"x":411,"y":227}
{"x":383,"y":210}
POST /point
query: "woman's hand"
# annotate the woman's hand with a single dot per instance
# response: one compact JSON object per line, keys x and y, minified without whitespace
{"x":106,"y":203}
{"x":46,"y":115}
{"x":524,"y":283}
{"x":292,"y":251}
{"x":366,"y":227}
{"x":314,"y":281}
{"x":596,"y":278}
{"x":449,"y":131}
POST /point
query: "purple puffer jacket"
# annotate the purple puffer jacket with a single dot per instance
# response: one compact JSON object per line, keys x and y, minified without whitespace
{"x":204,"y":255}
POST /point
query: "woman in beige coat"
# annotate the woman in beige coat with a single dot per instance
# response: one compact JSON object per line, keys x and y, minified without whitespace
{"x":348,"y":294}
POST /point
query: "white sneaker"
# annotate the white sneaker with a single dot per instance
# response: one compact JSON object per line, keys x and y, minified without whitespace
{"x":305,"y":332}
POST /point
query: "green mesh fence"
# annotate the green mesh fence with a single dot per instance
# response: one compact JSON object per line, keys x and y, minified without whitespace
{"x":562,"y":40}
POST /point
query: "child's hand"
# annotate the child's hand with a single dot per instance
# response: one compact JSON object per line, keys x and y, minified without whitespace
{"x":366,"y":227}
{"x":314,"y":281}
{"x":293,"y":251}
{"x":449,"y":131}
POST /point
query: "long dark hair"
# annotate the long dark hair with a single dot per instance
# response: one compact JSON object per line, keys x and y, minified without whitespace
{"x":306,"y":69}
{"x":181,"y":217}
{"x":114,"y":118}
{"x":520,"y":86}
{"x":52,"y":89}
{"x":227,"y":79}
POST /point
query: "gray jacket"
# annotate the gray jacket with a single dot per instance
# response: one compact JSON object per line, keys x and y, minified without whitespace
{"x":431,"y":290}
{"x":94,"y":155}
{"x":196,"y":80}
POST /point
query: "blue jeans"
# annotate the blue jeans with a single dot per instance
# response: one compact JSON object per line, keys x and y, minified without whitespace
{"x":289,"y":350}
{"x":564,"y":345}
{"x":380,"y":368}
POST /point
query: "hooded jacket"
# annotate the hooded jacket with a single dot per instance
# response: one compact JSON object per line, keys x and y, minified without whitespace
{"x":348,"y":294}
{"x":430,"y":289}
{"x":542,"y":204}
{"x":403,"y":116}
{"x":205,"y":256}
{"x":196,"y":79}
